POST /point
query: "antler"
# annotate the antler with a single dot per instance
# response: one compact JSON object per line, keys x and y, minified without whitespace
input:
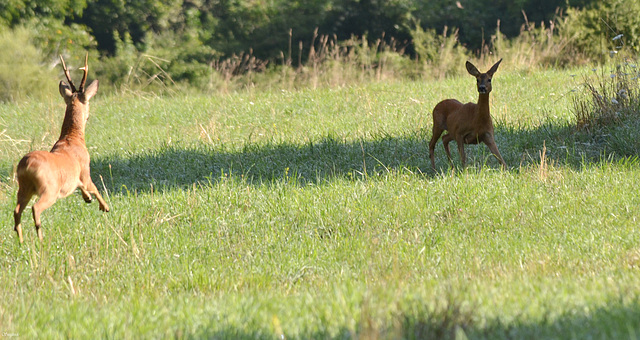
{"x":66,"y":73}
{"x":86,"y":70}
{"x":84,"y":76}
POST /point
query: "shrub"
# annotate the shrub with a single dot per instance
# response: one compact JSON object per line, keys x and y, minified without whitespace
{"x":54,"y":37}
{"x":611,"y":97}
{"x":590,"y":31}
{"x":167,"y":60}
{"x":23,"y":75}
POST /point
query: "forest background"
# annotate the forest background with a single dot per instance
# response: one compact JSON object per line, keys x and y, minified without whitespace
{"x":226,"y":45}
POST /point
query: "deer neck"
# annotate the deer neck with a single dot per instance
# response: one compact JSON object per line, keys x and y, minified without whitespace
{"x":74,"y":122}
{"x":484,"y":116}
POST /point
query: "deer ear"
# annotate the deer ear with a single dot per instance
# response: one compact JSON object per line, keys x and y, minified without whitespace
{"x":65,"y":90}
{"x":90,"y":90}
{"x":494,"y":68}
{"x":472,"y":69}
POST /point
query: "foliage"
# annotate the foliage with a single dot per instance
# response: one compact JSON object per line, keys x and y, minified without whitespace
{"x":612,"y":97}
{"x":111,"y":20}
{"x":169,"y":59}
{"x":369,"y":18}
{"x":54,"y":37}
{"x":213,"y":45}
{"x":15,"y":12}
{"x":440,"y":55}
{"x":474,"y":20}
{"x":535,"y":47}
{"x":22,"y":73}
{"x":591,"y":30}
{"x":266,"y":28}
{"x":234,"y":27}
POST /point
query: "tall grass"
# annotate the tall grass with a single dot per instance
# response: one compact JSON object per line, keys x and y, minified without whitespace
{"x":328,"y":63}
{"x":535,"y":47}
{"x":441,"y":55}
{"x":613,"y":96}
{"x":607,"y":103}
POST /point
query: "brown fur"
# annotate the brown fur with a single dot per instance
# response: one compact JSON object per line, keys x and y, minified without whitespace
{"x":468,"y":123}
{"x":57,"y":173}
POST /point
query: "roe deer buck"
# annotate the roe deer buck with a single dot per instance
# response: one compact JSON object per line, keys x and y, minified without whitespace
{"x":57,"y":173}
{"x":466,"y":123}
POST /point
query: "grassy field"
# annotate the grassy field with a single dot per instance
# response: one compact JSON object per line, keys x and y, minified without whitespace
{"x":315,"y":214}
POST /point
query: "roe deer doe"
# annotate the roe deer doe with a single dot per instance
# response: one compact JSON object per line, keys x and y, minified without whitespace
{"x":466,"y":123}
{"x":57,"y":173}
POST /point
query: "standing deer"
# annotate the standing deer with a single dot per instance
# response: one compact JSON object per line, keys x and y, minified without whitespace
{"x":57,"y":173}
{"x":466,"y":123}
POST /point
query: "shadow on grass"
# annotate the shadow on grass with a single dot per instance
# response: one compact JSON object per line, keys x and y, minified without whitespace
{"x":331,"y":157}
{"x":615,"y":321}
{"x":313,"y":162}
{"x":612,"y":322}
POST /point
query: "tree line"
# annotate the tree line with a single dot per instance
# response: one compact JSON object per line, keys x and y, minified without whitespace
{"x":267,"y":27}
{"x":203,"y":42}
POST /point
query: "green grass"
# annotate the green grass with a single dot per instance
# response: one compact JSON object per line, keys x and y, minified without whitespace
{"x":315,"y":214}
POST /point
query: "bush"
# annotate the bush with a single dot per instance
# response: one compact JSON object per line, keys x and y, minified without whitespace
{"x":23,"y":75}
{"x":612,"y":97}
{"x":53,"y":37}
{"x":169,"y":59}
{"x":590,"y":31}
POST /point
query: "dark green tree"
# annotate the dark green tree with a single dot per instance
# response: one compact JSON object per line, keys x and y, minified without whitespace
{"x":14,"y":12}
{"x":112,"y":20}
{"x":478,"y":20}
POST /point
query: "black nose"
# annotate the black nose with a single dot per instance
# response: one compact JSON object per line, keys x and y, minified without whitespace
{"x":482,"y":89}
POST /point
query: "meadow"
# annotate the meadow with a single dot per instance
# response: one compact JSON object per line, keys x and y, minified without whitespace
{"x":314,"y":213}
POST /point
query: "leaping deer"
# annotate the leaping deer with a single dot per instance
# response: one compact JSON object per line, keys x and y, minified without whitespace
{"x":466,"y":123}
{"x":57,"y":173}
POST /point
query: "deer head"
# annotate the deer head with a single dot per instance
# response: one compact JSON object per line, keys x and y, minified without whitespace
{"x":484,"y":79}
{"x":78,"y":98}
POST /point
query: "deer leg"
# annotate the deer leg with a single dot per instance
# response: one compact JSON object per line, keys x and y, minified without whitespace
{"x":23,"y":200}
{"x":491,"y":143}
{"x":45,"y":201}
{"x":463,"y":156}
{"x":445,"y":142}
{"x":85,"y":194}
{"x":87,"y":186}
{"x":437,"y":131}
{"x":92,"y":189}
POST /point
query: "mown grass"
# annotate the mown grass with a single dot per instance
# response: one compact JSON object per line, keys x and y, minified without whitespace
{"x":315,"y":214}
